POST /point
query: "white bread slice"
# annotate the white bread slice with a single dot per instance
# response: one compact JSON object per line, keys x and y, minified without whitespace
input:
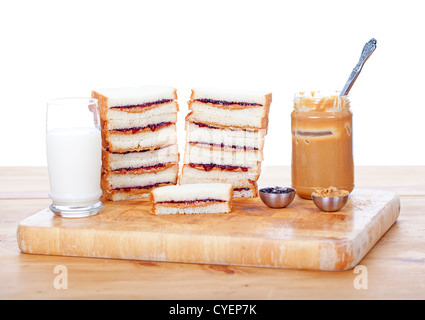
{"x":219,"y":207}
{"x":247,"y":188}
{"x":138,"y":159}
{"x":215,"y":157}
{"x":253,"y":117}
{"x":121,"y":142}
{"x":191,"y":199}
{"x":191,"y":192}
{"x":129,"y":96}
{"x":194,"y":179}
{"x":228,"y":95}
{"x":218,"y":174}
{"x":220,"y":155}
{"x":196,"y":132}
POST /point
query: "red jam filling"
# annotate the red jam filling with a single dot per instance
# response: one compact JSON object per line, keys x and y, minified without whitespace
{"x":224,"y":146}
{"x":156,"y":166}
{"x":147,"y":104}
{"x":150,"y":186}
{"x":188,"y":202}
{"x":132,"y":151}
{"x":240,"y":189}
{"x":210,"y":166}
{"x":227,"y":103}
{"x":153,"y":127}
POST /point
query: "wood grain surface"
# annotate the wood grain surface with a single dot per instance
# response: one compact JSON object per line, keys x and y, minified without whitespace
{"x":299,"y":236}
{"x":394,"y":266}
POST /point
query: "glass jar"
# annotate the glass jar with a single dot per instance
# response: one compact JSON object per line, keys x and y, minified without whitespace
{"x":322,"y":143}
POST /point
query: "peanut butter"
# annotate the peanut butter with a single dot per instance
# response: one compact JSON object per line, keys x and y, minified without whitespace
{"x":329,"y":192}
{"x":322,"y":143}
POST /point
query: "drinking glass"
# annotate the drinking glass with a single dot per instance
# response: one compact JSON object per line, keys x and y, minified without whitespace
{"x":74,"y":159}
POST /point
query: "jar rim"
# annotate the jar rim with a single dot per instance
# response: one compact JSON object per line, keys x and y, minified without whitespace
{"x":321,"y":100}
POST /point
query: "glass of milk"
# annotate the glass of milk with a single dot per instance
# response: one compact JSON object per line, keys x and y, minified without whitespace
{"x":74,"y":156}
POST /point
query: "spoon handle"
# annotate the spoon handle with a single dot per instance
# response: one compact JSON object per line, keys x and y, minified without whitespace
{"x":366,"y":53}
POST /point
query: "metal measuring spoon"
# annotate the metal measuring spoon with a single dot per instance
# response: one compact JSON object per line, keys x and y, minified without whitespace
{"x":366,"y":53}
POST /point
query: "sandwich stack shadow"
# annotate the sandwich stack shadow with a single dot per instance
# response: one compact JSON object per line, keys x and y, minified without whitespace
{"x":139,"y":140}
{"x":225,"y":133}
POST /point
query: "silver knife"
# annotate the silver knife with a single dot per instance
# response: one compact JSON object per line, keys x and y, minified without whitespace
{"x":368,"y":49}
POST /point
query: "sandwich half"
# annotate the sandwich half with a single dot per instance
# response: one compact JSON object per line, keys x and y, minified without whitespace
{"x":235,"y":108}
{"x":192,"y":199}
{"x":236,"y":138}
{"x":222,"y":154}
{"x":127,"y":185}
{"x":137,"y":139}
{"x":137,"y":161}
{"x":243,"y":188}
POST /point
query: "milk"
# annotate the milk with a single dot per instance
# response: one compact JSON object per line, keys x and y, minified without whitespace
{"x":74,"y":163}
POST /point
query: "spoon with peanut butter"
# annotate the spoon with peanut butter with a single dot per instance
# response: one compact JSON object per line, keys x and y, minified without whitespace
{"x":368,"y":49}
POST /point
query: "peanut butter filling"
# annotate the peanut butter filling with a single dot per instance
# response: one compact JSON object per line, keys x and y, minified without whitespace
{"x":220,"y":127}
{"x":329,"y":192}
{"x":146,"y":187}
{"x":133,"y":130}
{"x":154,"y":168}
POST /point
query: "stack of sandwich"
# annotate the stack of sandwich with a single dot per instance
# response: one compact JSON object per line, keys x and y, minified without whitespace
{"x":225,"y":133}
{"x":139,"y":140}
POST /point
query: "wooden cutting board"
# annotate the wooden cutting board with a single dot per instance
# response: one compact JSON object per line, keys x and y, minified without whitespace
{"x":299,"y":236}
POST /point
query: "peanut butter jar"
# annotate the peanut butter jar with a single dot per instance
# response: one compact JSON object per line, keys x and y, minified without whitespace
{"x":322,"y":143}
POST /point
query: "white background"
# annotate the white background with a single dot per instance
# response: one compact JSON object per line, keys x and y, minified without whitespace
{"x":52,"y":49}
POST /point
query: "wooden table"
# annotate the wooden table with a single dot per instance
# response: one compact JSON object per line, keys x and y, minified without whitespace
{"x":393,"y":269}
